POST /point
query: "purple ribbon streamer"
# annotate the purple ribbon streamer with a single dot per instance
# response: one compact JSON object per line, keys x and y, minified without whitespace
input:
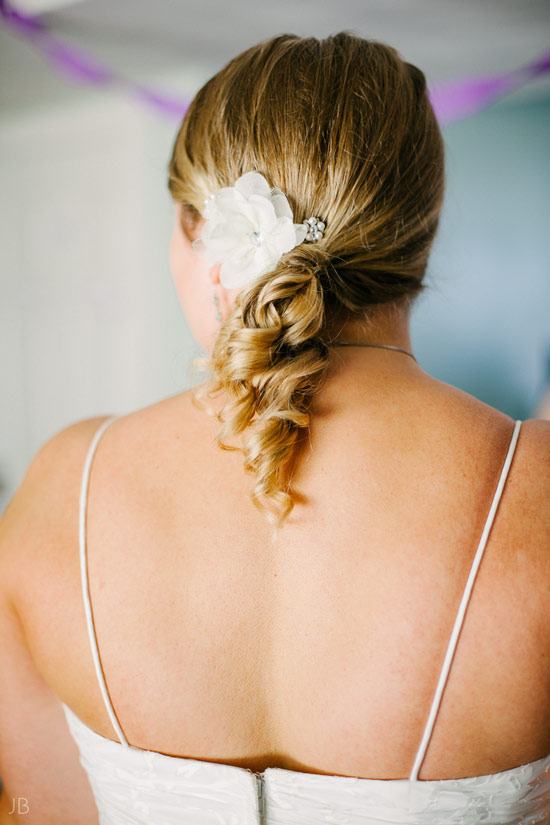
{"x":27,"y":25}
{"x":75,"y":64}
{"x":451,"y":101}
{"x":462,"y":98}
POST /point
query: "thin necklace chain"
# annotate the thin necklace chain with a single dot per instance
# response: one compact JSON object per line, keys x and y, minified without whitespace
{"x":382,"y":346}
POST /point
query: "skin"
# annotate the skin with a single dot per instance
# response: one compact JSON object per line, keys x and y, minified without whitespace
{"x":319,"y":653}
{"x":196,"y":282}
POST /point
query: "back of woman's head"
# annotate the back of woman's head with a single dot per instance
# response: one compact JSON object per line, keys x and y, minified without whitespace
{"x":344,"y":127}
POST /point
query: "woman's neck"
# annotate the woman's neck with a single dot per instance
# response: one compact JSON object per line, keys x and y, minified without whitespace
{"x":387,"y":325}
{"x":382,"y":374}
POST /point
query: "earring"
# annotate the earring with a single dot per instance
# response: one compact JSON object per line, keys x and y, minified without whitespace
{"x":217,"y":305}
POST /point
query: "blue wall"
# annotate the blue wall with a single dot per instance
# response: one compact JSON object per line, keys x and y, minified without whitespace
{"x":484,"y":323}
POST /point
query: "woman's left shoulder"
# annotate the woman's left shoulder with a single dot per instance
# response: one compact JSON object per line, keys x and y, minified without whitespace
{"x":45,"y":497}
{"x":38,"y":759}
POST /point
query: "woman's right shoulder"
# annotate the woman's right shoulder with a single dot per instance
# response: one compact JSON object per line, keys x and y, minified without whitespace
{"x":524,"y":512}
{"x":532,"y":476}
{"x":532,"y":506}
{"x":531,"y":472}
{"x":527,"y":515}
{"x":536,"y":437}
{"x":454,"y":405}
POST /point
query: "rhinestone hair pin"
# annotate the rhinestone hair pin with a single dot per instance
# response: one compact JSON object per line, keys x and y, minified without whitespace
{"x":315,"y":228}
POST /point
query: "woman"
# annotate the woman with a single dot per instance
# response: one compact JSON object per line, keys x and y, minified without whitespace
{"x":277,"y":632}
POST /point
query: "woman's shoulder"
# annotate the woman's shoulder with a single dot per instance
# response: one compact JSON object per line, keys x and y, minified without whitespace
{"x":176,"y":427}
{"x":47,"y":495}
{"x":488,"y":431}
{"x":455,"y":407}
{"x":38,"y":511}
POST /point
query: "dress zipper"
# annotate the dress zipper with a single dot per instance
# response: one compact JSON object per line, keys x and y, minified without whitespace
{"x":261,"y":797}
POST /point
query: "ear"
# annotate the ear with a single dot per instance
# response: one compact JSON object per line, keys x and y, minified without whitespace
{"x":214,"y":274}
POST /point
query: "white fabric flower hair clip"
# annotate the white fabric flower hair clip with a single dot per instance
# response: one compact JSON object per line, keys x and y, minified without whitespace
{"x":249,"y":226}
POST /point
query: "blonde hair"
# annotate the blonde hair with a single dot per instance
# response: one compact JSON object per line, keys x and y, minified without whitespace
{"x":345,"y":128}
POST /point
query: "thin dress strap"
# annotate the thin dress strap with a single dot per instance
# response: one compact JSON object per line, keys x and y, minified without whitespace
{"x":84,"y":577}
{"x":462,"y":608}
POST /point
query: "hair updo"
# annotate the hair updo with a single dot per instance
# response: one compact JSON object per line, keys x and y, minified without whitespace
{"x":345,"y":128}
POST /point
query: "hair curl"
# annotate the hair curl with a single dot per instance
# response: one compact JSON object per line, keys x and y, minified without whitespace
{"x":345,"y":128}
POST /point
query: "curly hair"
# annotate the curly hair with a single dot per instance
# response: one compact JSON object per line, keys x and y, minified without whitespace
{"x":345,"y":128}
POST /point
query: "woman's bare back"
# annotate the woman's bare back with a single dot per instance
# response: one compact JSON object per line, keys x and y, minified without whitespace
{"x":320,"y":652}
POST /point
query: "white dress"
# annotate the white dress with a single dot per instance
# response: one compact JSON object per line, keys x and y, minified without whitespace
{"x":133,"y":786}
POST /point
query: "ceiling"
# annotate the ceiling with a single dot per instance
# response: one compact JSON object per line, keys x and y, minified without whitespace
{"x":176,"y":44}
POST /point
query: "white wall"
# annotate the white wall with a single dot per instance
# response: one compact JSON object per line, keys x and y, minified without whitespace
{"x":89,"y":321}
